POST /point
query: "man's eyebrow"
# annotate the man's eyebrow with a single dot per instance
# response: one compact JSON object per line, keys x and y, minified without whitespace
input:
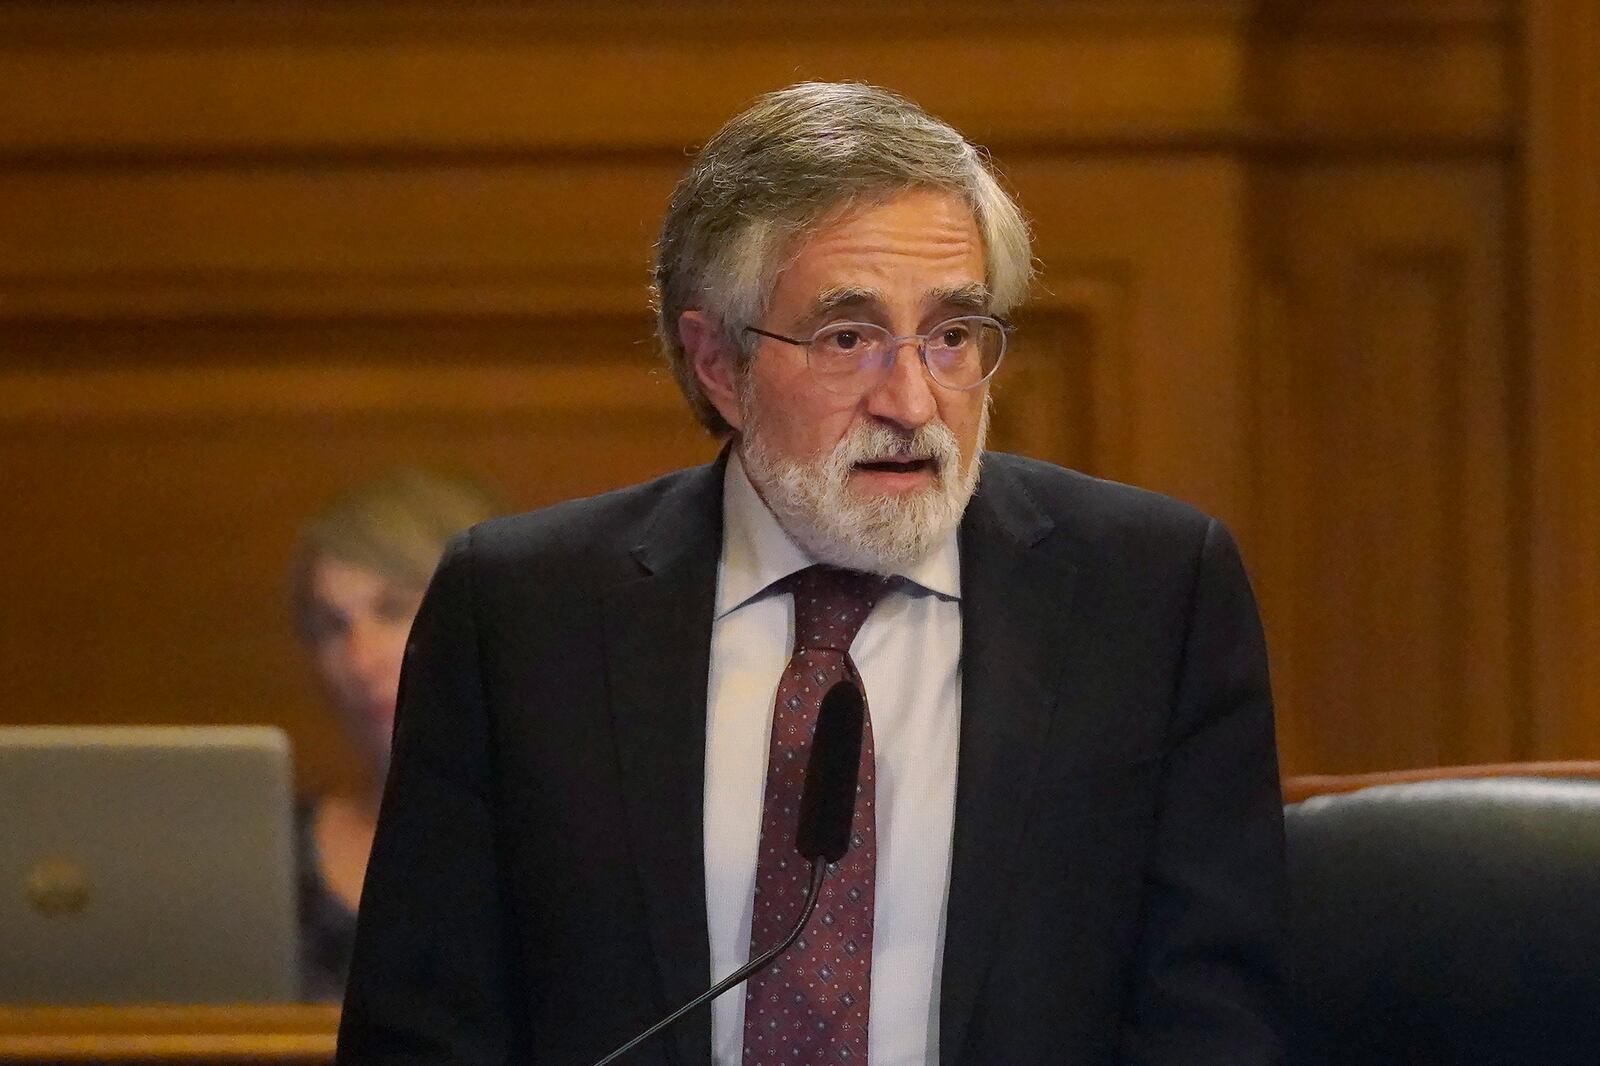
{"x":971,"y":297}
{"x":974,"y":296}
{"x":828,"y":301}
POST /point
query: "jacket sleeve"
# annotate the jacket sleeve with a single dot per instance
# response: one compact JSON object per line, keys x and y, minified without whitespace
{"x":1208,"y":973}
{"x":432,"y":979}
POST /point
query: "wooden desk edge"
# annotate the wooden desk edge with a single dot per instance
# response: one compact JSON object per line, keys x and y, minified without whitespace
{"x":241,"y":1033}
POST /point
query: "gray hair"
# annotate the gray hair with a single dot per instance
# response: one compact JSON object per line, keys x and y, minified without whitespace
{"x":778,"y":171}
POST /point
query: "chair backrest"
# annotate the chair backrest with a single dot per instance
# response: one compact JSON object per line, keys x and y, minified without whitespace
{"x":1446,"y":920}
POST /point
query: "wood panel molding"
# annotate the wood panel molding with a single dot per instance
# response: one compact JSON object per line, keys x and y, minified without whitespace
{"x":97,"y":397}
{"x":1563,"y":217}
{"x":1067,"y":396}
{"x":1364,"y":15}
{"x":1283,"y":450}
{"x":183,"y":82}
{"x":329,"y":242}
{"x":1424,"y":86}
{"x":444,"y":77}
{"x":1385,"y":462}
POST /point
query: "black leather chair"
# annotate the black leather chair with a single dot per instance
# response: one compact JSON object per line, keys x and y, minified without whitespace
{"x":1446,"y":921}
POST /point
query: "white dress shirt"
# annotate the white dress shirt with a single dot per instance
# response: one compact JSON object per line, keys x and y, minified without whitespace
{"x":909,"y":655}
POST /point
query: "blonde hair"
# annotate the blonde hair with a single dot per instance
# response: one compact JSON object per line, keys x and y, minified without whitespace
{"x":395,"y":525}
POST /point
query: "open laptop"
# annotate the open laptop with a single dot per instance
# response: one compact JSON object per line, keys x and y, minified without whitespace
{"x":146,"y":864}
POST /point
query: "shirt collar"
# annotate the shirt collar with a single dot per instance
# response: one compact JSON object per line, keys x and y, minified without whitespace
{"x":756,"y":552}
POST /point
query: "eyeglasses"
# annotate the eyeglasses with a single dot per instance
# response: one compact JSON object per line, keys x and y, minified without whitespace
{"x":850,"y":358}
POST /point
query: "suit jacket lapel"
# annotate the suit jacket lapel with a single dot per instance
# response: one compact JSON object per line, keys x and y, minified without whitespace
{"x":1015,"y":610}
{"x":657,"y":637}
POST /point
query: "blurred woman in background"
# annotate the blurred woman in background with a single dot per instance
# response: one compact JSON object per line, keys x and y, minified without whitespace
{"x":360,"y":568}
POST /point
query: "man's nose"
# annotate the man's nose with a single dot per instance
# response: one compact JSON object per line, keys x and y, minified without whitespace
{"x":905,"y":395}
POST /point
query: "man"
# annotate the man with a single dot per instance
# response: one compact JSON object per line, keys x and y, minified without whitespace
{"x":1067,"y":841}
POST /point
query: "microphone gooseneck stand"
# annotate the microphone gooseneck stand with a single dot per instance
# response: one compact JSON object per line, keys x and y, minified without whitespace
{"x":827,"y":807}
{"x":819,"y":869}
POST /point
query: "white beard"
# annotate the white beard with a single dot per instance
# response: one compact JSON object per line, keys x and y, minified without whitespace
{"x":884,"y":534}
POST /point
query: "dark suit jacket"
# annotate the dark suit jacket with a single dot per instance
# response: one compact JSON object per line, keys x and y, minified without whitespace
{"x":536,"y":892}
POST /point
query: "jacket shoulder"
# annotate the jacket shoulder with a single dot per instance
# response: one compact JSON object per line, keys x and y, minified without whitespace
{"x":1091,"y":509}
{"x":590,"y":532}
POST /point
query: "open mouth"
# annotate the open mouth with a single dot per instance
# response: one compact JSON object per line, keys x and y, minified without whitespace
{"x":898,"y":466}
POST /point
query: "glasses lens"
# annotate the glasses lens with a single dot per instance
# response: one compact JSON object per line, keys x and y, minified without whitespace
{"x":849,"y":356}
{"x":963,"y":352}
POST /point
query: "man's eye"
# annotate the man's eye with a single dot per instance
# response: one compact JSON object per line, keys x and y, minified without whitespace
{"x":844,"y":340}
{"x":954,"y":336}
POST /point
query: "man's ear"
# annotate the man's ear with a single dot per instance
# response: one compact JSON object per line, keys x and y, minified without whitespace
{"x":712,"y":356}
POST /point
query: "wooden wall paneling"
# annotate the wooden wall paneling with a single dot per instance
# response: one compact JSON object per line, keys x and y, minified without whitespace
{"x":187,"y":77}
{"x":248,"y":251}
{"x":228,"y":238}
{"x":1148,"y":251}
{"x":1063,"y":395}
{"x":279,"y":240}
{"x":1042,"y":400}
{"x":152,"y":501}
{"x":1385,"y":415}
{"x":1563,"y":219}
{"x":1404,"y":76}
{"x":1338,"y":86}
{"x":414,"y":77}
{"x":1282,"y":454}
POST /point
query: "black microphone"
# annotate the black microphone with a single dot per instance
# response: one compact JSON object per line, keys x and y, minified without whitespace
{"x":827,"y":807}
{"x":828,"y":803}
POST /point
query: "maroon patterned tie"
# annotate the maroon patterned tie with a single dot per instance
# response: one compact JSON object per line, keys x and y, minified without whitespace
{"x":811,"y":1005}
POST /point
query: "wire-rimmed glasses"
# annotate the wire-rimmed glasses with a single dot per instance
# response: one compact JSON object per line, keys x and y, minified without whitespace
{"x":851,"y":358}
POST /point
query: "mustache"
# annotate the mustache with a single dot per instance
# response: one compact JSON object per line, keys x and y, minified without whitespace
{"x":874,"y":442}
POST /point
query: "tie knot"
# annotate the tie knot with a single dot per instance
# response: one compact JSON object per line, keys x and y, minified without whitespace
{"x":830,"y":604}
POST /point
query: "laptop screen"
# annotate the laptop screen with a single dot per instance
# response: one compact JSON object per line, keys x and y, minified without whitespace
{"x":146,"y":864}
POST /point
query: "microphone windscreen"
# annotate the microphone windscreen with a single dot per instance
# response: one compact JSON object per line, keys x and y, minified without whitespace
{"x":828,"y":802}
